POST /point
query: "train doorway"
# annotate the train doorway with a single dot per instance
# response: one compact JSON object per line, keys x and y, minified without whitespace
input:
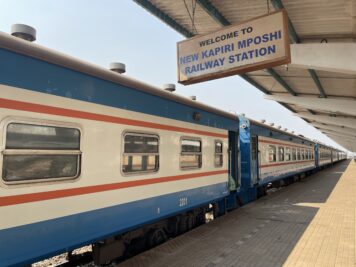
{"x":254,"y":159}
{"x":233,"y":160}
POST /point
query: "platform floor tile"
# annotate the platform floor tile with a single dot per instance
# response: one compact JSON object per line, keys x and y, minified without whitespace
{"x":309,"y":223}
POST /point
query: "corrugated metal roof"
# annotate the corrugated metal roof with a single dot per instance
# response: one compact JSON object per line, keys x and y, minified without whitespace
{"x":314,"y":21}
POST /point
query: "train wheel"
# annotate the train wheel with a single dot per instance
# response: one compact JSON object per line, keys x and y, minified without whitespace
{"x":156,"y":237}
{"x":190,"y":221}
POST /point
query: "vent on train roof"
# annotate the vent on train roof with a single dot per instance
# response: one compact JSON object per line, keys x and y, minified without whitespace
{"x":169,"y":87}
{"x":193,"y":97}
{"x":117,"y":67}
{"x":24,"y":32}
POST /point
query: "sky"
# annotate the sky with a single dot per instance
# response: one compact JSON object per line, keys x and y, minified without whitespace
{"x":104,"y":31}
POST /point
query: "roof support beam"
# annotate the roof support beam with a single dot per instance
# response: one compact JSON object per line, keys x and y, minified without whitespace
{"x":277,"y":4}
{"x":345,"y":142}
{"x":281,"y":81}
{"x":342,"y":130}
{"x":317,"y":82}
{"x":213,"y":12}
{"x":254,"y":83}
{"x":333,"y":57}
{"x":325,"y":104}
{"x":337,"y":121}
{"x":351,"y":137}
{"x":164,"y":17}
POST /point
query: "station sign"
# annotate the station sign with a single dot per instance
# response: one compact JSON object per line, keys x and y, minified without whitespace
{"x":252,"y":45}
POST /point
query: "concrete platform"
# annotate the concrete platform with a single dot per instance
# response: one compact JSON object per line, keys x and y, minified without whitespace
{"x":310,"y":223}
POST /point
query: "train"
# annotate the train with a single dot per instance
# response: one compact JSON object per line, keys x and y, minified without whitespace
{"x":92,"y":156}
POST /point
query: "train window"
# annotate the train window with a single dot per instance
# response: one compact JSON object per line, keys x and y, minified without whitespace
{"x":294,"y":154}
{"x":191,"y":153}
{"x":298,"y":154}
{"x":272,"y":153}
{"x":288,"y":155}
{"x":280,"y":153}
{"x":40,"y":152}
{"x":140,"y":153}
{"x":302,"y":154}
{"x":218,"y":157}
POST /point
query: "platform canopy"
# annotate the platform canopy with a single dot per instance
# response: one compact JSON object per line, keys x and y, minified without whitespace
{"x":320,"y":83}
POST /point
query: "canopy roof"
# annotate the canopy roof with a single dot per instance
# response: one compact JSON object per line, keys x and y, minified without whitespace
{"x":320,"y":83}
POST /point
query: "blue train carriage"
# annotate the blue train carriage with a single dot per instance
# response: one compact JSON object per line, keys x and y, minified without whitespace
{"x":270,"y":156}
{"x":88,"y":154}
{"x":325,"y":155}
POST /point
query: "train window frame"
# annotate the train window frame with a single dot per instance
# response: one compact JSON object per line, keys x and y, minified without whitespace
{"x":40,"y":152}
{"x":123,"y":153}
{"x":299,"y":156}
{"x":200,"y":154}
{"x":219,"y":154}
{"x":287,"y":151}
{"x":274,"y":153}
{"x":281,"y":153}
{"x":294,"y":154}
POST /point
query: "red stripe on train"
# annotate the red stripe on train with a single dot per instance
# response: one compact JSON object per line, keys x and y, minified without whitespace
{"x":41,"y":196}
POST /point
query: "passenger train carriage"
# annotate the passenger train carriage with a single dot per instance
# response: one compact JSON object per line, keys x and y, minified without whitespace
{"x":90,"y":156}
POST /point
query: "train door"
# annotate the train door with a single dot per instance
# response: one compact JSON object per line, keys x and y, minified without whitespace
{"x":233,"y":160}
{"x":254,"y":159}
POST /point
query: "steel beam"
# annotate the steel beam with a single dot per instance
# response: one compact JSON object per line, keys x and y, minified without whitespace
{"x":164,"y":17}
{"x":337,"y":120}
{"x":349,"y":144}
{"x":213,"y":12}
{"x":254,"y":83}
{"x":277,"y":4}
{"x":342,"y":130}
{"x":342,"y":135}
{"x":333,"y":105}
{"x":282,"y":82}
{"x":317,"y":82}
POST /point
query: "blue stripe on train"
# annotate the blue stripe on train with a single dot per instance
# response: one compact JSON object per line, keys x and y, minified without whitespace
{"x":273,"y":178}
{"x":29,"y":243}
{"x":33,"y":74}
